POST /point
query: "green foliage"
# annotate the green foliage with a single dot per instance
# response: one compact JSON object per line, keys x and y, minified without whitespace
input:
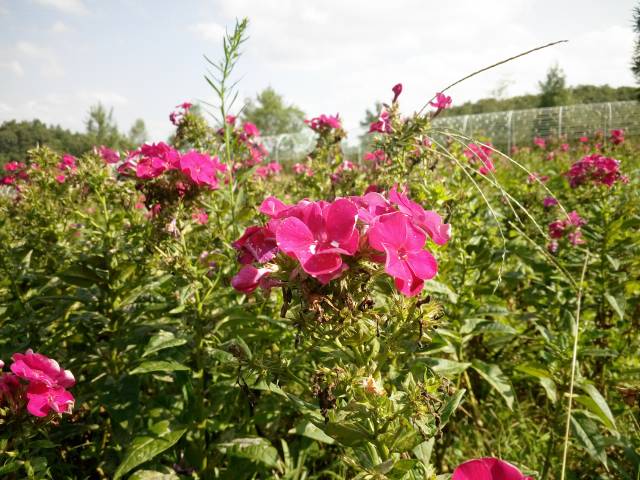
{"x":271,"y":115}
{"x":553,"y":90}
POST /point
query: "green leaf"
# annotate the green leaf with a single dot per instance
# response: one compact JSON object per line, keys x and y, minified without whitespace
{"x":79,"y":276}
{"x":446,"y":367}
{"x":348,"y":434}
{"x":589,"y":444}
{"x":309,"y":430}
{"x":450,"y":407}
{"x":424,"y":450}
{"x":543,"y":376}
{"x":145,"y":447}
{"x":498,"y":380}
{"x":597,"y":404}
{"x":154,"y":475}
{"x":615,"y":305}
{"x":255,"y":449}
{"x":158,"y":366}
{"x":162,"y":340}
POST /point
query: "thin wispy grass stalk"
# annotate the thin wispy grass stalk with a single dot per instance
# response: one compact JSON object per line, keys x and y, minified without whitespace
{"x":574,"y":361}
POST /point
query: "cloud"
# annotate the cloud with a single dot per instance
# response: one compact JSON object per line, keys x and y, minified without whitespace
{"x":59,"y":27}
{"x":13,"y":66}
{"x":209,"y":31}
{"x":4,"y":108}
{"x":76,"y":7}
{"x":105,"y":97}
{"x":50,"y":66}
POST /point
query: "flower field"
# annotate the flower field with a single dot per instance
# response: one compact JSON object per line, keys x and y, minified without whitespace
{"x":435,"y":309}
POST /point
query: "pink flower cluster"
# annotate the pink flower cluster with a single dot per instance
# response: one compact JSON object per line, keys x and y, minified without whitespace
{"x":481,"y":153}
{"x":302,"y":169}
{"x":321,"y":236}
{"x":540,"y":142}
{"x":15,"y":171}
{"x":152,"y":160}
{"x":569,"y":227}
{"x":108,"y":155}
{"x":377,"y":157}
{"x":177,"y":116}
{"x":441,"y":102}
{"x":596,"y":169}
{"x":247,"y":136}
{"x":383,"y":124}
{"x":40,"y":381}
{"x":268,"y":170}
{"x":617,"y":136}
{"x":66,"y":164}
{"x":487,"y":468}
{"x":324,"y":123}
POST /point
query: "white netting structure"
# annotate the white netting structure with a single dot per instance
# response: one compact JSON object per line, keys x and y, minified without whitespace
{"x":503,"y":129}
{"x":518,"y":127}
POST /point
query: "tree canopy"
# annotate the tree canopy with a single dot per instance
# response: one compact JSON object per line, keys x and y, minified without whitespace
{"x":272,"y":115}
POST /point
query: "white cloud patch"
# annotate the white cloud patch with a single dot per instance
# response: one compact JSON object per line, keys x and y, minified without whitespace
{"x":75,"y":7}
{"x":59,"y":27}
{"x":210,"y":31}
{"x":47,"y":60}
{"x":13,"y":66}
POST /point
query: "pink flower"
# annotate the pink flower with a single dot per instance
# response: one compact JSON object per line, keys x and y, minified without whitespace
{"x":68,"y":162}
{"x":251,"y":130}
{"x":200,"y":216}
{"x":302,"y":169}
{"x":564,"y":147}
{"x":108,"y":155}
{"x":556,"y":229}
{"x":257,"y":244}
{"x":249,"y":278}
{"x":549,"y":202}
{"x":13,"y":166}
{"x":11,"y":390}
{"x":596,"y":169}
{"x":617,"y":136}
{"x":540,"y":142}
{"x":397,"y":90}
{"x":43,"y":399}
{"x":382,"y":125}
{"x":377,"y":157}
{"x":405,"y":259}
{"x":487,"y":469}
{"x":482,"y":153}
{"x":324,"y":123}
{"x":427,"y":220}
{"x":442,"y":101}
{"x":318,"y":243}
{"x":35,"y":367}
{"x":584,"y":139}
{"x":60,"y":178}
{"x":230,"y":119}
{"x":201,"y":169}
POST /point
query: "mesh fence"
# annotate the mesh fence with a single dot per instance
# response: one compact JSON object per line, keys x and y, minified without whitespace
{"x":504,"y":129}
{"x":518,"y":127}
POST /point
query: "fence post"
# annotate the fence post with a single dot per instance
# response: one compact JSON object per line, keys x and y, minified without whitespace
{"x":560,"y":122}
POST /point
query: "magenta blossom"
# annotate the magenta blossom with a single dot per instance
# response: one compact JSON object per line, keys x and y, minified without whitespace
{"x":318,"y":243}
{"x":324,"y":123}
{"x":427,"y":220}
{"x":382,"y":125}
{"x":249,"y":278}
{"x":564,"y":147}
{"x":397,"y":90}
{"x":36,"y":367}
{"x":540,"y":142}
{"x":108,"y":155}
{"x":584,"y":139}
{"x":549,"y":202}
{"x":43,"y":399}
{"x":201,"y":169}
{"x":596,"y":169}
{"x":481,"y":152}
{"x":405,"y":259}
{"x":257,"y":244}
{"x":251,"y":130}
{"x":535,"y":177}
{"x":200,"y":216}
{"x":487,"y":469}
{"x":377,"y":157}
{"x":617,"y":136}
{"x":442,"y":101}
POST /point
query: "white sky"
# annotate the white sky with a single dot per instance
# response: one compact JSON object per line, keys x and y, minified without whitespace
{"x":142,"y":57}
